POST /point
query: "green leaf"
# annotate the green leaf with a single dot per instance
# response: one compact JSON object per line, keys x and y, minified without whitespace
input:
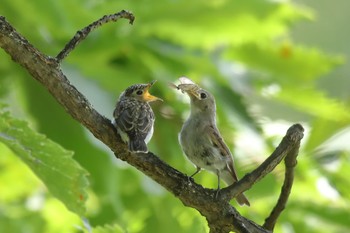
{"x":108,"y":229}
{"x":287,"y":63}
{"x":314,"y":102}
{"x":54,"y":165}
{"x":228,"y":21}
{"x":321,"y":130}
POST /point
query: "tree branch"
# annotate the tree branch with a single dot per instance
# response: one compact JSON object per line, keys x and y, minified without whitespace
{"x":83,"y":33}
{"x":289,"y":145}
{"x":290,"y":162}
{"x":221,"y":216}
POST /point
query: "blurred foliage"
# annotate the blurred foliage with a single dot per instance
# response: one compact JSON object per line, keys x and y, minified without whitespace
{"x":242,"y":51}
{"x":49,"y":161}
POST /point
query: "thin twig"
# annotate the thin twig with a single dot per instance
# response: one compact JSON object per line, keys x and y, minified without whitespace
{"x":82,"y":34}
{"x":290,"y":162}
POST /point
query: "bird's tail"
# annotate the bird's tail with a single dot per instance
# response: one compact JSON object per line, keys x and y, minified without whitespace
{"x":138,"y":146}
{"x":229,"y":179}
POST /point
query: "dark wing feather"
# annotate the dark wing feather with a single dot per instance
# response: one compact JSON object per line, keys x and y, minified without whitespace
{"x":134,"y":118}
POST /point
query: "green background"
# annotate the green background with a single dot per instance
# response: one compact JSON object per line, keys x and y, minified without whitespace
{"x":269,"y":64}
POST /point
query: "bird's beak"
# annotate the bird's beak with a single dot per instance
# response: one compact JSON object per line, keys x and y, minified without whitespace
{"x":193,"y":93}
{"x":188,"y":86}
{"x":192,"y":90}
{"x":147,"y":96}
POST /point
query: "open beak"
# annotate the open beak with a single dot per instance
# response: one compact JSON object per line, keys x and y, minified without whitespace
{"x":147,"y":96}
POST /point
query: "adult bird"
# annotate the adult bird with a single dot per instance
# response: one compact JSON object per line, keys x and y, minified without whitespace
{"x":201,"y":140}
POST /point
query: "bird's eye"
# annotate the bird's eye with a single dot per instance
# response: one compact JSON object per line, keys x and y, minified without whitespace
{"x":203,"y":95}
{"x":139,"y":92}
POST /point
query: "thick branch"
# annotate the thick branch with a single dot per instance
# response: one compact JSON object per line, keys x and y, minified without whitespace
{"x":221,"y":216}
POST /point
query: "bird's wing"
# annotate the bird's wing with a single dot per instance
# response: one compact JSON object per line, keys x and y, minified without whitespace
{"x":135,"y":120}
{"x":123,"y":115}
{"x":145,"y":121}
{"x":219,"y":143}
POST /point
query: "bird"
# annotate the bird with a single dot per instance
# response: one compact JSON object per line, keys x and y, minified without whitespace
{"x":134,"y":118}
{"x":201,"y":140}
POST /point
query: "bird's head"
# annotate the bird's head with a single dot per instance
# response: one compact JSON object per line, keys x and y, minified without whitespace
{"x":202,"y":102}
{"x":141,"y":93}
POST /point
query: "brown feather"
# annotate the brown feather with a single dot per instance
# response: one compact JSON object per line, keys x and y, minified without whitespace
{"x":224,"y":150}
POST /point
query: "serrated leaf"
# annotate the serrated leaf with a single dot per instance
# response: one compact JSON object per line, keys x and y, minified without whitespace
{"x":53,"y":164}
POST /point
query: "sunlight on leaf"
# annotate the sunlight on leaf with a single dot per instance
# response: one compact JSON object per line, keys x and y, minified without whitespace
{"x":54,"y":165}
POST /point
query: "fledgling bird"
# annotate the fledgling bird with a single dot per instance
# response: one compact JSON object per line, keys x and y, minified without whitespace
{"x":200,"y":138}
{"x":134,"y":118}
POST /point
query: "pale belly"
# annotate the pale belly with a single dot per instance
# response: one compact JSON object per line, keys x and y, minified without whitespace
{"x":200,"y":151}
